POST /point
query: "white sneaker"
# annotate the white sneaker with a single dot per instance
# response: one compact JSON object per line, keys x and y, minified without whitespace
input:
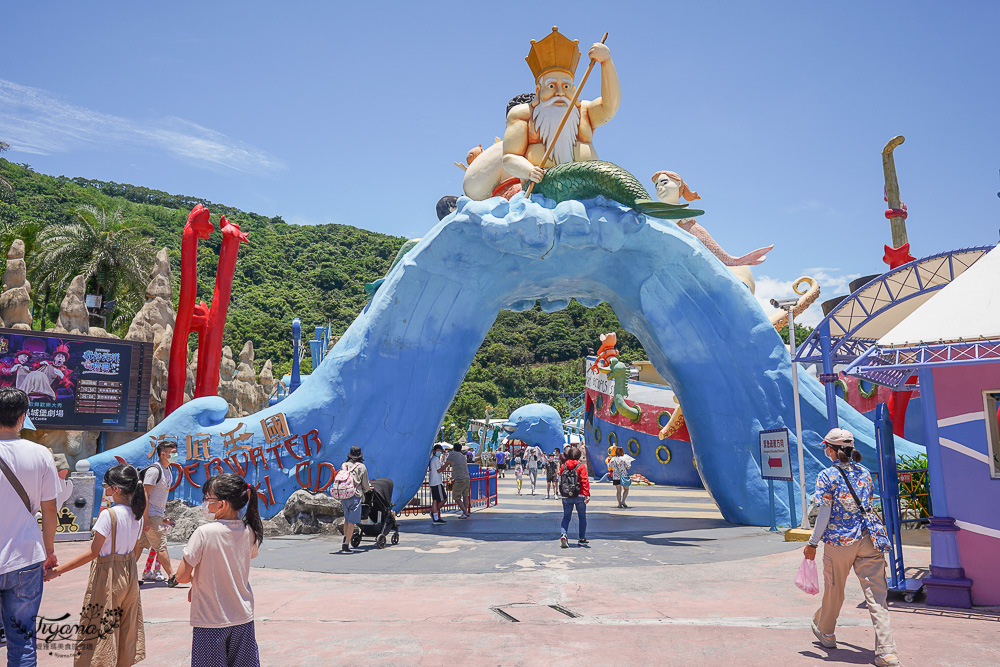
{"x":147,"y":576}
{"x":159,"y":576}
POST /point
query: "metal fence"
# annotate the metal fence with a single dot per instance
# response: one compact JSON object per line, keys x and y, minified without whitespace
{"x":914,"y":495}
{"x":483,"y":486}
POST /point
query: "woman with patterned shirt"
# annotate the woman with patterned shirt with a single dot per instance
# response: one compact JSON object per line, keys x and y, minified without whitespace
{"x":847,"y":544}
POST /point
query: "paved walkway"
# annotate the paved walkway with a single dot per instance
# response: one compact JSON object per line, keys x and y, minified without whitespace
{"x":664,"y":583}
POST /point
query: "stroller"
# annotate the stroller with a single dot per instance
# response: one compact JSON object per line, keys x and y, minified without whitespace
{"x":377,"y":517}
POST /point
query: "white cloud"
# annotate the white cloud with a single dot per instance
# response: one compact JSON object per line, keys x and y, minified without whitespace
{"x":810,"y":206}
{"x":36,"y":122}
{"x":832,"y":283}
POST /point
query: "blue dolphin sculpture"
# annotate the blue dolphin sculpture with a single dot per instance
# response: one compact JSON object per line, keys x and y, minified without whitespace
{"x":536,"y":424}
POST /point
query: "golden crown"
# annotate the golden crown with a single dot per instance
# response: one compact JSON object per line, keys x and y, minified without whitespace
{"x":555,"y":51}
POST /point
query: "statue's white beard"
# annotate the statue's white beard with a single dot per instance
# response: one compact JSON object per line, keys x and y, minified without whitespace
{"x":546,"y":117}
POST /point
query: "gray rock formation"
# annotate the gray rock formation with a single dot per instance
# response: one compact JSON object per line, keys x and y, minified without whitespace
{"x":73,"y":315}
{"x":227,"y":387}
{"x":154,"y":323}
{"x":186,"y":519}
{"x":75,"y":445}
{"x":310,"y":513}
{"x":265,"y":385}
{"x":248,"y":394}
{"x":277,"y":527}
{"x":245,"y":372}
{"x":15,"y":302}
{"x":157,"y":312}
{"x":192,"y":374}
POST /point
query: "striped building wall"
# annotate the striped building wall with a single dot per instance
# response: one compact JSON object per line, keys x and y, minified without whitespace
{"x":973,"y":495}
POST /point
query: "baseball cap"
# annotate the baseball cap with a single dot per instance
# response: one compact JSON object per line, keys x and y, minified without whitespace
{"x":839,"y":437}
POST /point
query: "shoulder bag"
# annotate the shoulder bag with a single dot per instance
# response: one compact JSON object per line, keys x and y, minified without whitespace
{"x":872,"y":521}
{"x":16,"y":483}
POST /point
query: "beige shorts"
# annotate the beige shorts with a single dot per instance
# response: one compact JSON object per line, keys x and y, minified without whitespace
{"x":460,"y":488}
{"x":155,"y":537}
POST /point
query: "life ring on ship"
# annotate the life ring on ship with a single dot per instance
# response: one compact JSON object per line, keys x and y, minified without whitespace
{"x":869,"y":393}
{"x":630,"y":442}
{"x":659,"y":458}
{"x":660,"y":418}
{"x":613,"y":409}
{"x":843,"y":386}
{"x":597,"y":433}
{"x":600,"y":402}
{"x":613,"y":439}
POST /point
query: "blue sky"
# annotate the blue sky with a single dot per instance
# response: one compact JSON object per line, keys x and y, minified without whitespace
{"x":776,"y":113}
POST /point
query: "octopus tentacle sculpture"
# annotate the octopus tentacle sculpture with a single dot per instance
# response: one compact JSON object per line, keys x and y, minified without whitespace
{"x":618,"y":371}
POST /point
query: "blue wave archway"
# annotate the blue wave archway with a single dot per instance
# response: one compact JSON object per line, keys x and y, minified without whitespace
{"x":388,"y":382}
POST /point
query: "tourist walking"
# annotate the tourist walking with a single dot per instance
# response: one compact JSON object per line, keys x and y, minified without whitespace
{"x":355,"y":466}
{"x":574,"y":487}
{"x":619,"y":466}
{"x":552,"y":476}
{"x":502,"y":457}
{"x":847,"y":544}
{"x":217,"y":563}
{"x":157,"y":480}
{"x":111,"y":630}
{"x":533,"y":458}
{"x":436,"y":483}
{"x":518,"y":473}
{"x":461,"y":484}
{"x":30,"y":484}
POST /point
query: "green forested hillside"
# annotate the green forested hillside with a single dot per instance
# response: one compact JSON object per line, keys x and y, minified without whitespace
{"x":316,"y":273}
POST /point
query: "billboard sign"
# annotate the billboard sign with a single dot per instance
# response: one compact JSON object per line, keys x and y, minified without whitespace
{"x":775,"y":461}
{"x":78,"y":382}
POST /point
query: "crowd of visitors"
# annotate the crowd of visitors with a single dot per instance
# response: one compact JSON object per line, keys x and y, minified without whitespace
{"x":216,"y":560}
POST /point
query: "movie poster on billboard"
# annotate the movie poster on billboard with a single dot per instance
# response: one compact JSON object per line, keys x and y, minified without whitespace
{"x":78,"y":382}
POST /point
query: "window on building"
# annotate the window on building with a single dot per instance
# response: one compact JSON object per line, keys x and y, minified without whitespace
{"x":991,"y":402}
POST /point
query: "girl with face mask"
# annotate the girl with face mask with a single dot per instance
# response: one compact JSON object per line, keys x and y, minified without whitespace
{"x":114,"y":581}
{"x":217,"y":563}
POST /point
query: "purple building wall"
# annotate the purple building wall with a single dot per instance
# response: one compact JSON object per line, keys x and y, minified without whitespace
{"x":973,"y":496}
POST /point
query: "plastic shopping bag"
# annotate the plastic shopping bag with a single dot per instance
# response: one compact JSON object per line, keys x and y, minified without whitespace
{"x":806,"y":578}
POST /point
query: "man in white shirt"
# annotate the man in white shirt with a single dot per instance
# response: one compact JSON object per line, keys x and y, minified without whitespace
{"x":29,"y":484}
{"x":434,"y":480}
{"x":157,"y":480}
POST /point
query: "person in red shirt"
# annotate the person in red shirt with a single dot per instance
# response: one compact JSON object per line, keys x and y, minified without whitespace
{"x":578,"y":497}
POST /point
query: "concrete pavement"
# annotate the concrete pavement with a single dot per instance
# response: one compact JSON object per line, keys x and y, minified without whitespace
{"x":666,"y":582}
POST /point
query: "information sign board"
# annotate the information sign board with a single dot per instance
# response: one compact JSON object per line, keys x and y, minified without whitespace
{"x":775,"y":461}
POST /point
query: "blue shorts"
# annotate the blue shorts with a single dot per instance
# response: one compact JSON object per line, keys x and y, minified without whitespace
{"x":352,"y":509}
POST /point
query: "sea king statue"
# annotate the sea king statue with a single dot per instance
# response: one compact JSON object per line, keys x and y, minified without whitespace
{"x":548,"y":146}
{"x":531,"y":128}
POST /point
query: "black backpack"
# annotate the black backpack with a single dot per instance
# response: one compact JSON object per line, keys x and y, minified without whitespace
{"x":142,"y":473}
{"x":569,"y":483}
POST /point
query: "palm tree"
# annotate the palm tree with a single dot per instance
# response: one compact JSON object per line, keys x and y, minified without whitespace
{"x":106,"y":249}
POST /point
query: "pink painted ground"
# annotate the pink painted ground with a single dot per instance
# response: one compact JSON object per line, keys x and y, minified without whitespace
{"x":739,"y":612}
